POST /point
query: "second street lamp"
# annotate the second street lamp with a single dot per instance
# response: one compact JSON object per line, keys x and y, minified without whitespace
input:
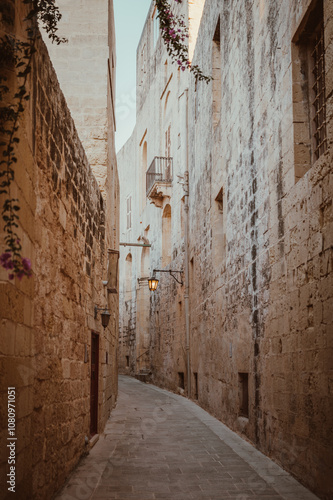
{"x":153,"y":281}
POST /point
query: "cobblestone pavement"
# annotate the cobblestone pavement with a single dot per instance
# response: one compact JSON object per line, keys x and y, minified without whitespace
{"x":158,"y":445}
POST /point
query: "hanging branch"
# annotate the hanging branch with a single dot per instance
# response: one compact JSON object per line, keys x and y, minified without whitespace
{"x":174,"y":33}
{"x":19,"y":53}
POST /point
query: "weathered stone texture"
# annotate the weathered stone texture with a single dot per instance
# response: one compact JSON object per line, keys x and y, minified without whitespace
{"x":160,"y":92}
{"x":47,"y":321}
{"x":82,"y":69}
{"x":263,"y":313}
{"x":260,"y":241}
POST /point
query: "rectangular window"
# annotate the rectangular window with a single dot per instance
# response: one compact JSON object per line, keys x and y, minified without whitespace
{"x":318,"y":92}
{"x":129,"y":212}
{"x":309,"y":99}
{"x":181,"y":380}
{"x":243,"y":394}
{"x":216,"y":73}
{"x":196,"y":392}
{"x":219,"y":233}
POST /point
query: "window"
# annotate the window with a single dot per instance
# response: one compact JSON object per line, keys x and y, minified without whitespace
{"x":243,"y":394}
{"x":218,"y":233}
{"x":196,"y":392}
{"x":318,"y":92}
{"x":309,"y":98}
{"x":129,"y":212}
{"x":216,"y":73}
{"x":181,"y":380}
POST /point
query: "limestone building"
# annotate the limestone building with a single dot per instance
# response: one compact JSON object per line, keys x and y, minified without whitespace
{"x":54,"y":350}
{"x":153,"y":213}
{"x":257,"y":143}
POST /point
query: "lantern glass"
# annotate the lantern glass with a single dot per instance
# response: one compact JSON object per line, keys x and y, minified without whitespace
{"x":152,"y":283}
{"x":105,"y":316}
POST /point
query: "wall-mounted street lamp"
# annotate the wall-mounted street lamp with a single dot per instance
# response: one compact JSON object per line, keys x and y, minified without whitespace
{"x":105,"y":315}
{"x":153,"y":281}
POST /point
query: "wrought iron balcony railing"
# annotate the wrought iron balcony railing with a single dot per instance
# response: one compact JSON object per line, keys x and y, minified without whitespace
{"x":160,"y":171}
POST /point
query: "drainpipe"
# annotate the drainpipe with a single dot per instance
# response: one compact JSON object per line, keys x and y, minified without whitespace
{"x":186,"y":296}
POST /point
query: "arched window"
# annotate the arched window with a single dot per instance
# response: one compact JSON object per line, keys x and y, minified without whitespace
{"x":166,"y":236}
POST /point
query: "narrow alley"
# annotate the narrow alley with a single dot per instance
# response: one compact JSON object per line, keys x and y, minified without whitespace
{"x":158,"y":445}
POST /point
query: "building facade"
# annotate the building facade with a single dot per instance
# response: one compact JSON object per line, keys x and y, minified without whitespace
{"x":54,"y":351}
{"x":153,"y":214}
{"x":257,"y":297}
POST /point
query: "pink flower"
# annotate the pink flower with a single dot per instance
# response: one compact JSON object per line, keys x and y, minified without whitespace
{"x":6,"y":260}
{"x":26,"y":263}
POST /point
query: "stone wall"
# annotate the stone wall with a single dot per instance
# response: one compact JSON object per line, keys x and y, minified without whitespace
{"x":260,"y":240}
{"x":84,"y":66}
{"x":161,"y":110}
{"x":263,"y":310}
{"x":47,"y":321}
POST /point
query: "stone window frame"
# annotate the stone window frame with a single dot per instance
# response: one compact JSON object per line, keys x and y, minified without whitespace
{"x":309,"y":98}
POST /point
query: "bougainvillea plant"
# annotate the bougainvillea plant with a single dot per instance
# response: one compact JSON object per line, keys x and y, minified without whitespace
{"x":18,"y":53}
{"x":175,"y":33}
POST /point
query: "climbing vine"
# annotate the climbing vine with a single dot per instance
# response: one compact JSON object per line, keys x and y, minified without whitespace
{"x":174,"y":33}
{"x":18,"y":53}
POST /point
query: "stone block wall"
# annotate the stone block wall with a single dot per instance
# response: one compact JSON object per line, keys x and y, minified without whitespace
{"x":47,"y":321}
{"x":260,"y":240}
{"x":161,"y":110}
{"x":84,"y":67}
{"x":262,"y":316}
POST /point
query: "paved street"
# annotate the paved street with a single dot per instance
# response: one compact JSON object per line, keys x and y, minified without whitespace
{"x":158,"y":445}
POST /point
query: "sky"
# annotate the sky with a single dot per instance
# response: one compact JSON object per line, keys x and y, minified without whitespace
{"x":130,"y":16}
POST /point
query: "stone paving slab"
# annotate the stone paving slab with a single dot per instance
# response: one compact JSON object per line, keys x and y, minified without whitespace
{"x":158,"y":445}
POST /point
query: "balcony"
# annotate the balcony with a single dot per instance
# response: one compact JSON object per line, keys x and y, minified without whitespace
{"x":159,"y":179}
